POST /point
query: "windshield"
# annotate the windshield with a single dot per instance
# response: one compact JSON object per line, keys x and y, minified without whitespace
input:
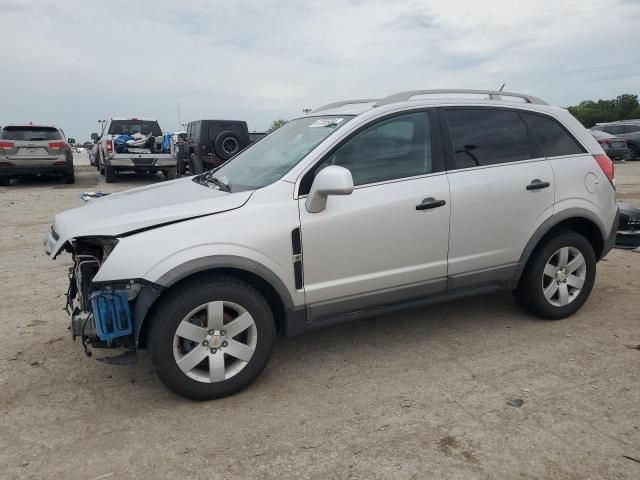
{"x":274,"y":155}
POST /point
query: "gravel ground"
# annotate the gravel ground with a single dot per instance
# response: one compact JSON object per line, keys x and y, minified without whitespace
{"x":420,"y":394}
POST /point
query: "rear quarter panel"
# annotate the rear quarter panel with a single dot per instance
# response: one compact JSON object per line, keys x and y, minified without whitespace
{"x":580,"y":182}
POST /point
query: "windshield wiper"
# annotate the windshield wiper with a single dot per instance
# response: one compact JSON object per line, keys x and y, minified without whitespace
{"x":218,"y":183}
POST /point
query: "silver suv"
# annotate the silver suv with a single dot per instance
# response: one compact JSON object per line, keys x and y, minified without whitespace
{"x":362,"y":207}
{"x":34,"y":150}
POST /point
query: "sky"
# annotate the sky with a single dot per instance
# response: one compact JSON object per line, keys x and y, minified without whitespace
{"x":73,"y":62}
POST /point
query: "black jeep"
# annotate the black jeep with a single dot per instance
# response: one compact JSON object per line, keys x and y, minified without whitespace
{"x":210,"y":143}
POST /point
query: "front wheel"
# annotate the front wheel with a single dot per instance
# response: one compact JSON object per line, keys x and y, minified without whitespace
{"x":633,"y":153}
{"x":195,"y":165}
{"x":558,"y":277}
{"x":211,"y":338}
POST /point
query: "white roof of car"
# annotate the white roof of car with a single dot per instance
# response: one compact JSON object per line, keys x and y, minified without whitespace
{"x":434,"y":97}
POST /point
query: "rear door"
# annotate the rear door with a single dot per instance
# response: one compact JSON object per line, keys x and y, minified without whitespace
{"x":502,"y":189}
{"x":33,"y":145}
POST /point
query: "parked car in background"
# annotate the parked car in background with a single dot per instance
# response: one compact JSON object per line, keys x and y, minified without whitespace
{"x":178,"y":150}
{"x":628,"y":236}
{"x":615,"y":147}
{"x":93,"y":155}
{"x":34,"y":150}
{"x":627,"y":129}
{"x":113,"y":156}
{"x":210,"y":143}
{"x":360,"y":208}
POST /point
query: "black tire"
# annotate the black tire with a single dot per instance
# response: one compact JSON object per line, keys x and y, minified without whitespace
{"x":169,"y":174}
{"x":530,"y":294}
{"x":101,"y":166}
{"x":181,"y":168}
{"x":70,"y":178}
{"x":195,"y":164}
{"x":634,"y":153}
{"x":177,"y":304}
{"x":109,"y":174}
{"x":4,"y":181}
{"x":227,"y":144}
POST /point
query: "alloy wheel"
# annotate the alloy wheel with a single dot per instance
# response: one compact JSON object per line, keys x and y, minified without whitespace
{"x":215,"y":341}
{"x":564,"y":275}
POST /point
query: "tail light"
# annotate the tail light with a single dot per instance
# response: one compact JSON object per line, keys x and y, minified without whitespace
{"x":607,"y":167}
{"x":6,"y":145}
{"x":58,"y":145}
{"x":109,"y":146}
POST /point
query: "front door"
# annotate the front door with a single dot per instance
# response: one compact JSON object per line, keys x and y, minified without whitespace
{"x":387,"y":242}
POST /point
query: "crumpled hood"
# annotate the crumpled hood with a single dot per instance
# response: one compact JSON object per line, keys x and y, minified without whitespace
{"x":141,"y":208}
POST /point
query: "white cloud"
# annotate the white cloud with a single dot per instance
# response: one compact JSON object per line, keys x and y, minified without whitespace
{"x":72,"y":62}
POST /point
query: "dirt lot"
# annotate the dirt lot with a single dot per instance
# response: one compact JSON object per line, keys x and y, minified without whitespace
{"x":422,"y":394}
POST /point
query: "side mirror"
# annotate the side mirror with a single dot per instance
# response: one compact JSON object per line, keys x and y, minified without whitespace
{"x":331,"y":180}
{"x":71,"y":140}
{"x":95,"y":136}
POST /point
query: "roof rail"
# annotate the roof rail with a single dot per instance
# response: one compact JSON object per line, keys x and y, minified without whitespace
{"x":493,"y":95}
{"x":344,"y":102}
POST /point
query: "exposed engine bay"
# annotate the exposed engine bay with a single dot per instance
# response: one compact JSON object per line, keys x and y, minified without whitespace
{"x":100,"y":314}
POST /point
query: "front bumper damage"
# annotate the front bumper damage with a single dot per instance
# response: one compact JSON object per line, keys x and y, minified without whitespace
{"x":102,"y":314}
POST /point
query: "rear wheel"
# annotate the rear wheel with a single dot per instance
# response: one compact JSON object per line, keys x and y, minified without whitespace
{"x":4,"y":181}
{"x":634,"y":154}
{"x":70,"y":178}
{"x":109,"y":174}
{"x":169,"y":174}
{"x":211,"y":338}
{"x":559,"y":276}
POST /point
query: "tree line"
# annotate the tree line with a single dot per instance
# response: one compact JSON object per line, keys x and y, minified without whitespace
{"x":590,"y":112}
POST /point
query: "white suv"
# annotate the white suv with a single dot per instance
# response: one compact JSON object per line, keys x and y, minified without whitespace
{"x":362,"y":207}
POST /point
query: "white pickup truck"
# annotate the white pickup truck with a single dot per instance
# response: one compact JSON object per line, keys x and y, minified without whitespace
{"x":114,"y":154}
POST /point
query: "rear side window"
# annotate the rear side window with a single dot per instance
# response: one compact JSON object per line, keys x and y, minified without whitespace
{"x":483,"y":136}
{"x":553,"y":138}
{"x":30,"y":133}
{"x":614,"y":129}
{"x":631,"y":128}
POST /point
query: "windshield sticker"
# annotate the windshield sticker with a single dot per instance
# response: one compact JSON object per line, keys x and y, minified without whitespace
{"x":326,"y":122}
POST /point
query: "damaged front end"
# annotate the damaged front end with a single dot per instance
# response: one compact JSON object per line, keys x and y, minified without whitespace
{"x":101,"y":313}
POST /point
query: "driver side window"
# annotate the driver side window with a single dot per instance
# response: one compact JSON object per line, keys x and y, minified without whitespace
{"x":394,"y":148}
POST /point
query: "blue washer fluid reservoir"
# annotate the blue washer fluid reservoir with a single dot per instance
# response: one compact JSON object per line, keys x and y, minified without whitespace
{"x":112,"y":314}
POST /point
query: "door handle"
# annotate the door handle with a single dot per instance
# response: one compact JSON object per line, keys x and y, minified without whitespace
{"x":537,"y":184}
{"x":429,"y":203}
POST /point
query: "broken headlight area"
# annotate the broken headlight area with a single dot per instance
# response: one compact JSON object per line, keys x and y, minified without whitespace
{"x":101,"y":314}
